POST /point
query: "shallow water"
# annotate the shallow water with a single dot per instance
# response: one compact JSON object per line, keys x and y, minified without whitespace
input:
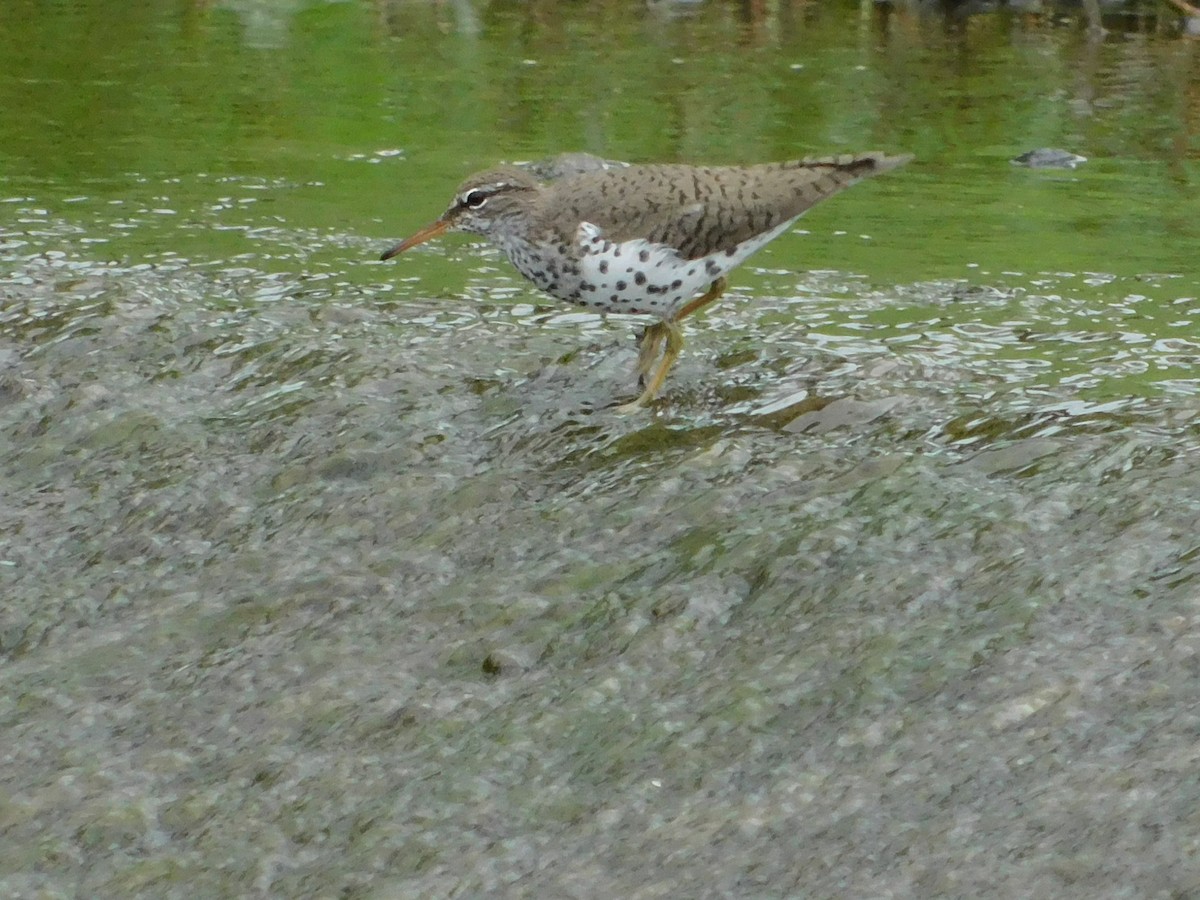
{"x":325,"y":576}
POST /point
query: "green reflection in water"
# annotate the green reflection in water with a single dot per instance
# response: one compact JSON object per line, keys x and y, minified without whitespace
{"x":328,"y":578}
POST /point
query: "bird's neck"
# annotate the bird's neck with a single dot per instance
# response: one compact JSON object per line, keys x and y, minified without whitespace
{"x":516,"y":237}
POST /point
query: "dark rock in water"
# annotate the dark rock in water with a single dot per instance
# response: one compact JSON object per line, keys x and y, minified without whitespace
{"x":1049,"y":158}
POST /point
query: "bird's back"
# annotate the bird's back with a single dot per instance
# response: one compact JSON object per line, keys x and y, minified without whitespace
{"x":700,"y":210}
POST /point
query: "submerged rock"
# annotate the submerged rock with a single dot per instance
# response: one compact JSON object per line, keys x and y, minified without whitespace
{"x":565,"y":164}
{"x":1049,"y":158}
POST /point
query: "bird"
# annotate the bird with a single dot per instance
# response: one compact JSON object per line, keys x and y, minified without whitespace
{"x":649,"y":239}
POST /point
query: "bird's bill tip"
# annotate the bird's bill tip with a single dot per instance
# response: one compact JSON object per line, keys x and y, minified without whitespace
{"x":425,"y":234}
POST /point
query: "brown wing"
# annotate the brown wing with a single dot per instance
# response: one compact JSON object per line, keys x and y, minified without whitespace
{"x":700,"y":210}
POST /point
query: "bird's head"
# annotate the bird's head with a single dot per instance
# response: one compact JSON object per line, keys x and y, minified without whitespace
{"x":485,"y":204}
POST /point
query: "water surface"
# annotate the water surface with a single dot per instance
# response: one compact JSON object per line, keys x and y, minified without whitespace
{"x":325,"y":576}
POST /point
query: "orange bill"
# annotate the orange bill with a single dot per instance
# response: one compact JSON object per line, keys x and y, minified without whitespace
{"x":425,"y":234}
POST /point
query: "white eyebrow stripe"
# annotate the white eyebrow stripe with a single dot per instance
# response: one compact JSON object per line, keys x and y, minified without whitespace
{"x":487,"y":189}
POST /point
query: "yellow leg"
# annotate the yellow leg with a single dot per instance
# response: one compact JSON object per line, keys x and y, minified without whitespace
{"x":669,"y":331}
{"x":652,"y":339}
{"x":715,"y":290}
{"x":674,"y":335}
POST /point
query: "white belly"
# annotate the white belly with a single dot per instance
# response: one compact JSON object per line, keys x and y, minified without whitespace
{"x":632,"y":276}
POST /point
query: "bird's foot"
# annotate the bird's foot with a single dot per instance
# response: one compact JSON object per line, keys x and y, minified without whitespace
{"x":670,"y":332}
{"x":628,"y":409}
{"x":652,"y":338}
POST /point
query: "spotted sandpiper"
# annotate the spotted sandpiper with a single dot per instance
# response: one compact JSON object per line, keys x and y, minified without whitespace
{"x":650,"y":239}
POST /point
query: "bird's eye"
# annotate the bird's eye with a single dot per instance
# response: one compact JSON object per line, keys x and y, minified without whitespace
{"x":474,"y":199}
